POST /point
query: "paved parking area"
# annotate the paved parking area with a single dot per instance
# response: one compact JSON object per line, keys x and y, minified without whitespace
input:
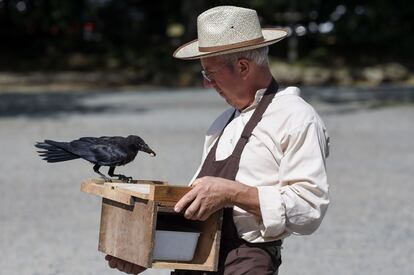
{"x":47,"y":226}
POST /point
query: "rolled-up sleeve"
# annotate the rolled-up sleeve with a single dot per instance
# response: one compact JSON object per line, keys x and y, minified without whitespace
{"x":273,"y":211}
{"x":299,"y":202}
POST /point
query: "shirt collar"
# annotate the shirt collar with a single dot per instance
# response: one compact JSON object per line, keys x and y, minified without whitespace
{"x":291,"y":90}
{"x":257,"y":97}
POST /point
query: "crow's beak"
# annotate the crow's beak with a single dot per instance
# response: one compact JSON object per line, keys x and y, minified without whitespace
{"x":148,"y":150}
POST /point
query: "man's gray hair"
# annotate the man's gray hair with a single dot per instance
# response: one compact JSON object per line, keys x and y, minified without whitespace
{"x":258,"y":56}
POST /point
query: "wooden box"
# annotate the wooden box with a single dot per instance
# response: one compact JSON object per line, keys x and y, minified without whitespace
{"x":129,"y":216}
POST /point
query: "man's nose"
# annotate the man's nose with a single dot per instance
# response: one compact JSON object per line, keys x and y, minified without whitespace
{"x":208,"y":84}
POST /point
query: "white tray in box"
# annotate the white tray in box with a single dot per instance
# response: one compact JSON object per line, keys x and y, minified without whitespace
{"x":175,"y":245}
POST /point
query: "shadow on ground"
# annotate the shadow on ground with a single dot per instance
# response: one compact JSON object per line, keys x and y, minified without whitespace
{"x":336,"y":95}
{"x":51,"y":104}
{"x":55,"y":104}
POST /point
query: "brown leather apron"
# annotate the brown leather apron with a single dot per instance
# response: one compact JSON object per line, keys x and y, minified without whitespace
{"x":236,"y":255}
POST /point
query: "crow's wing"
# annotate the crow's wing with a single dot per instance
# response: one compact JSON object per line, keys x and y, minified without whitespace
{"x":81,"y":147}
{"x":90,"y":141}
{"x":103,"y":150}
{"x":108,"y":155}
{"x":103,"y":139}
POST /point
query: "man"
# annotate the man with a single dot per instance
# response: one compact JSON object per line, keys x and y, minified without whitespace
{"x":263,"y":159}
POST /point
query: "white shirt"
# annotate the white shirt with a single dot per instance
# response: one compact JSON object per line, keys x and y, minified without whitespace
{"x":284,"y":159}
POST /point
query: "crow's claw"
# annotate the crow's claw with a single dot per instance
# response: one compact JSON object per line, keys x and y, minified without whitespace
{"x":125,"y":178}
{"x":107,"y":179}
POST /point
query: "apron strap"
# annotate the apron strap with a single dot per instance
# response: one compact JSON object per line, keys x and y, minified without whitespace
{"x":255,"y":118}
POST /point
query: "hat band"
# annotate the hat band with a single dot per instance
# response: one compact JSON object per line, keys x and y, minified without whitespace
{"x":231,"y":46}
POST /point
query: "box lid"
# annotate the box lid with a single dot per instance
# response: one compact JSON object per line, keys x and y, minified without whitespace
{"x":158,"y":191}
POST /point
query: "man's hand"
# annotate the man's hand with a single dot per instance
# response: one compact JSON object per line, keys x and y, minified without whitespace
{"x":208,"y":195}
{"x":124,"y":266}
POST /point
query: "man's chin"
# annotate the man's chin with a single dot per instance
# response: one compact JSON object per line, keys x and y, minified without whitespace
{"x":231,"y":103}
{"x":225,"y":98}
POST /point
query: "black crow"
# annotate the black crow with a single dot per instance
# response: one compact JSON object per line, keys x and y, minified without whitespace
{"x":102,"y":151}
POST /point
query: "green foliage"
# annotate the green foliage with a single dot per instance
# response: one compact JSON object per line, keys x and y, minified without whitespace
{"x":138,"y":34}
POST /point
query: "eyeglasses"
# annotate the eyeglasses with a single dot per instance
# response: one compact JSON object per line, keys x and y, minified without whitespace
{"x":209,"y":76}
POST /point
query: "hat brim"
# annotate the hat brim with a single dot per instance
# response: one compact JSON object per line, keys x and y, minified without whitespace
{"x":190,"y":50}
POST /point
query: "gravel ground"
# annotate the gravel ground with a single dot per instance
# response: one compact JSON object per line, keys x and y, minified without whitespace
{"x":47,"y":226}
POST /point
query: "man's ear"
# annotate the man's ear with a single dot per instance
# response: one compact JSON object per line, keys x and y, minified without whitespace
{"x":243,"y":66}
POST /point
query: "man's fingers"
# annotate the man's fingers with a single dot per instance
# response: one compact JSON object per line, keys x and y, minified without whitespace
{"x":113,"y":262}
{"x":120,"y":265}
{"x":204,"y":216}
{"x":127,"y":268}
{"x":200,"y":213}
{"x":191,"y":212}
{"x":124,"y":266}
{"x":185,"y":200}
{"x":137,"y":269}
{"x":195,"y":182}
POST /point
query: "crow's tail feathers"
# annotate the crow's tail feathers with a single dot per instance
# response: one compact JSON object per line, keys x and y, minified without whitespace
{"x":53,"y":151}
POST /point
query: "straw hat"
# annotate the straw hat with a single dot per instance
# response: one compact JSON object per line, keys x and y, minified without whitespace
{"x":228,"y":29}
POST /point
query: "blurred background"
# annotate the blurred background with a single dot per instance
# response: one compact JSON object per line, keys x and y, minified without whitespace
{"x":119,"y":43}
{"x":104,"y":67}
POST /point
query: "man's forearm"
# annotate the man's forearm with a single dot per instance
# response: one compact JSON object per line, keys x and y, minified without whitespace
{"x":246,"y":197}
{"x":209,"y":194}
